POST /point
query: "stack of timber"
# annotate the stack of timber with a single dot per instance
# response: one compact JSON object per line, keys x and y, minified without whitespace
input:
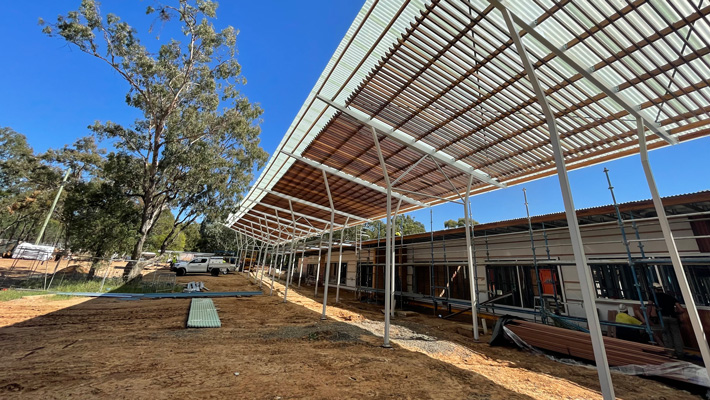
{"x":579,"y":345}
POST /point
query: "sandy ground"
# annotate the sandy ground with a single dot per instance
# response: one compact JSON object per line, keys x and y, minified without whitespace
{"x":17,"y":270}
{"x":97,"y":348}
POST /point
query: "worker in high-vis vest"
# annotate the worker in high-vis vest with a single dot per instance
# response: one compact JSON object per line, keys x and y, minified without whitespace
{"x":623,"y":317}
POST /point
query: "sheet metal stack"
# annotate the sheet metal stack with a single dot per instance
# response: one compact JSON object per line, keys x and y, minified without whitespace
{"x":578,"y":344}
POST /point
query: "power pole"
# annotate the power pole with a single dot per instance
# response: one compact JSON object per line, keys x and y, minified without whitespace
{"x":51,"y":209}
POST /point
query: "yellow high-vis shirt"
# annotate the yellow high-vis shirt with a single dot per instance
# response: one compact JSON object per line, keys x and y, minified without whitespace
{"x":623,"y":318}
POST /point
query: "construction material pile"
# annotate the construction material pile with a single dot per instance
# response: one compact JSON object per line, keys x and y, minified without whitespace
{"x":627,"y":357}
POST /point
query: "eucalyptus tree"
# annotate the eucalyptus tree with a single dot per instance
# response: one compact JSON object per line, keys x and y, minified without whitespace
{"x":197,"y":143}
{"x":26,"y":186}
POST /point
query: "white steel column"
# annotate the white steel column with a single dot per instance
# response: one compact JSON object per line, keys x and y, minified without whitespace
{"x":289,"y":275}
{"x":239,"y":247}
{"x":320,"y":252}
{"x":393,"y":268}
{"x":261,"y":279}
{"x":303,"y":259}
{"x":585,"y":276}
{"x":260,"y":271}
{"x":279,"y":250}
{"x":260,"y":259}
{"x":469,"y":254}
{"x":330,"y":245}
{"x":673,"y":251}
{"x":292,"y":267}
{"x":274,"y":255}
{"x":288,"y":270}
{"x":340,"y":261}
{"x":388,"y":246}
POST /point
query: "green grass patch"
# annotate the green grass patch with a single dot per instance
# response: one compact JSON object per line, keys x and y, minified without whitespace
{"x":113,"y":285}
{"x":58,"y":297}
{"x":12,"y":294}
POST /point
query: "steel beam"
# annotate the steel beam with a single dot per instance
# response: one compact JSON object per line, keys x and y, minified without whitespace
{"x":585,"y":276}
{"x":388,"y":246}
{"x":318,"y":206}
{"x":306,"y":217}
{"x":282,"y":209}
{"x":243,"y":229}
{"x":359,"y":181}
{"x":340,"y":261}
{"x":673,"y":251}
{"x":589,"y":76}
{"x":330,"y":246}
{"x":289,"y":235}
{"x":412,"y":143}
{"x":473,"y":283}
{"x":295,"y":225}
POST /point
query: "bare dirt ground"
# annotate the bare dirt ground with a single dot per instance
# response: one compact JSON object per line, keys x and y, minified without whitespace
{"x":97,"y":348}
{"x":16,"y":269}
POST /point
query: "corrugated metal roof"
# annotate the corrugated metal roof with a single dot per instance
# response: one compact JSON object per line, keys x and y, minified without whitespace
{"x":203,"y":314}
{"x":445,"y":73}
{"x":377,"y":25}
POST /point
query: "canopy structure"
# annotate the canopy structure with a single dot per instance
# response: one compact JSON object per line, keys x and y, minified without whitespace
{"x":425,"y":102}
{"x":443,"y":79}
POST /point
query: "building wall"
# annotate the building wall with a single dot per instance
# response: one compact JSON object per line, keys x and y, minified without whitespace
{"x":601,"y":241}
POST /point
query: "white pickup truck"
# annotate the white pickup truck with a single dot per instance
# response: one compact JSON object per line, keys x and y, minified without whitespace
{"x":213,"y":265}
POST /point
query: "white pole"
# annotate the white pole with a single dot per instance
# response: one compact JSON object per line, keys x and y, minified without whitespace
{"x":393,"y":268}
{"x":585,"y":276}
{"x":473,"y":284}
{"x":388,"y":241}
{"x":263,"y":266}
{"x":279,"y":250}
{"x":330,"y":245}
{"x":291,"y":267}
{"x":673,"y":251}
{"x":340,"y":261}
{"x":320,"y":246}
{"x":51,"y":211}
{"x":303,"y":258}
{"x":272,"y":268}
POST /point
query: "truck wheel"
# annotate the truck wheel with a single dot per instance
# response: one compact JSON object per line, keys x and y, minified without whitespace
{"x":180,"y":272}
{"x":215,"y":271}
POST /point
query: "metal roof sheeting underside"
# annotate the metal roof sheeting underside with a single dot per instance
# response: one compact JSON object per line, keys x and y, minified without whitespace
{"x":451,"y":79}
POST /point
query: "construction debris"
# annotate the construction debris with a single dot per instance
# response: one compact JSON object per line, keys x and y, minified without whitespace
{"x":195,"y":287}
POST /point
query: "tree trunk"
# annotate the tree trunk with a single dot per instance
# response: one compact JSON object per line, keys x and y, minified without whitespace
{"x":133,"y":269}
{"x":169,"y":239}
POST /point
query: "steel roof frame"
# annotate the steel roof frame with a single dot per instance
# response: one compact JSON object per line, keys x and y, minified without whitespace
{"x":408,"y":141}
{"x":362,"y":182}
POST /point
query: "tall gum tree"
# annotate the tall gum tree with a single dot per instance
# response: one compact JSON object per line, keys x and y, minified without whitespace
{"x":195,"y":147}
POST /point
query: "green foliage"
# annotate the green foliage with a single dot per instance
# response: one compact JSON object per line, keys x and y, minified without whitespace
{"x":27,"y":187}
{"x":162,"y":232}
{"x":197,"y":144}
{"x":460,"y":223}
{"x":216,"y":237}
{"x":404,"y":224}
{"x":192,"y":237}
{"x":17,"y":162}
{"x":99,"y":218}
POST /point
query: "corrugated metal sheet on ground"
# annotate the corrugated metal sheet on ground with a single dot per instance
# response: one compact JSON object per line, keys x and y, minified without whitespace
{"x":203,"y":314}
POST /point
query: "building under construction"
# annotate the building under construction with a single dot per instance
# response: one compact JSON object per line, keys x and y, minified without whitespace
{"x":427,"y":102}
{"x":625,"y":260}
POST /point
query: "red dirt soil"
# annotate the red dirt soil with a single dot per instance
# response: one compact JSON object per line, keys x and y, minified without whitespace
{"x":91,"y":348}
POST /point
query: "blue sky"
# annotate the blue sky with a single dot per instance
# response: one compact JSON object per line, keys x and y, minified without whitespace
{"x":51,"y":92}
